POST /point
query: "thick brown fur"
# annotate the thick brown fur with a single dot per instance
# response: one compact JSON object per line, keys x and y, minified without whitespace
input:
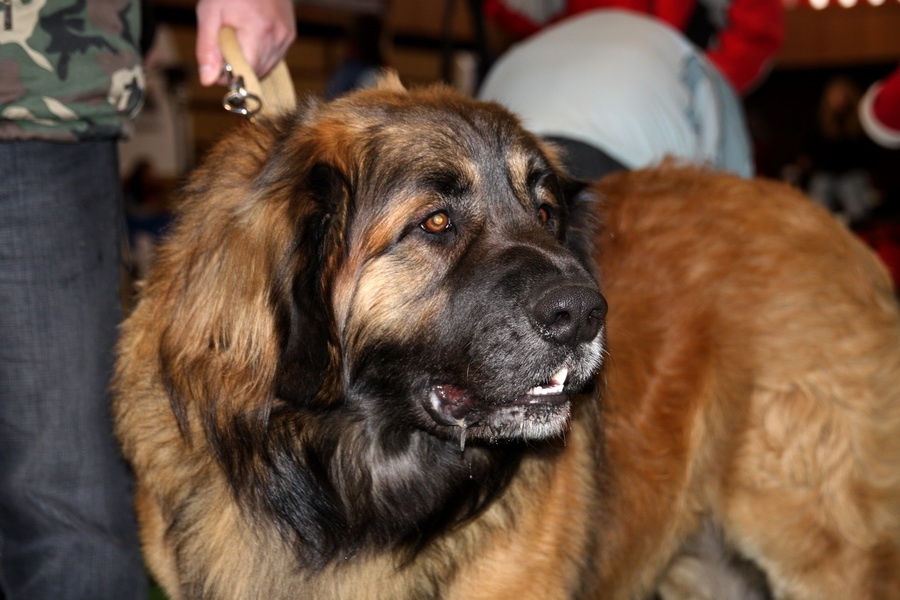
{"x":272,"y":386}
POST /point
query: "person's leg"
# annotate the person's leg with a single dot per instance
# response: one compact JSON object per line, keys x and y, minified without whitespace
{"x":67,"y":527}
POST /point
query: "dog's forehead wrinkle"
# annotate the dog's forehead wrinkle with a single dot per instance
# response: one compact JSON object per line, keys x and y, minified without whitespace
{"x":387,"y":165}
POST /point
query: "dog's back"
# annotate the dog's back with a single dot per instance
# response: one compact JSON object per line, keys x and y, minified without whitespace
{"x":753,"y":381}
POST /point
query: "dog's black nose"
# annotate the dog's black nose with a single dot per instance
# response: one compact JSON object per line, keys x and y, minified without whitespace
{"x":569,"y":314}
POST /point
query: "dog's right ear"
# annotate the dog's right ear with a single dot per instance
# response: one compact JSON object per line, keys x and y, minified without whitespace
{"x":582,"y":221}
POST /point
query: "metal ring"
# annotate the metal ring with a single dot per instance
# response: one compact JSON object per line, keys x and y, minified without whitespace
{"x":237,"y":99}
{"x":241,"y":102}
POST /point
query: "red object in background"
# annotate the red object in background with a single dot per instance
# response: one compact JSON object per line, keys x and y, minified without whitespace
{"x":887,"y":102}
{"x":744,"y":49}
{"x":879,"y":111}
{"x":884,"y":238}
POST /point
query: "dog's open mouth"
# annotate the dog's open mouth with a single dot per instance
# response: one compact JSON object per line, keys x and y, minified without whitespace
{"x":451,"y":405}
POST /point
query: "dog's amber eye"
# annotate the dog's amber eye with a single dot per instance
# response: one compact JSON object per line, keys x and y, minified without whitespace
{"x":438,"y":222}
{"x":545,"y":214}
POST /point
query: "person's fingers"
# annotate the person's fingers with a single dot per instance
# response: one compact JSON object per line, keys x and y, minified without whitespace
{"x":209,"y":55}
{"x":264,"y":29}
{"x":264,"y":41}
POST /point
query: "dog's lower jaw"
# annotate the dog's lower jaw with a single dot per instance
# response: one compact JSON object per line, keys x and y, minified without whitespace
{"x":530,"y":417}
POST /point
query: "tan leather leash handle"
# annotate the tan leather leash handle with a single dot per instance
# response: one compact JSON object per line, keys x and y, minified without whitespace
{"x":247,"y":95}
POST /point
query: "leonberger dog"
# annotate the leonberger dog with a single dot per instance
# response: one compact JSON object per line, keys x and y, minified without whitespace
{"x":373,"y":361}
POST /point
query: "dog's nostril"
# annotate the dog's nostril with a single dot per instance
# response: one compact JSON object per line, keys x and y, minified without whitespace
{"x":599,"y":312}
{"x":570,"y":314}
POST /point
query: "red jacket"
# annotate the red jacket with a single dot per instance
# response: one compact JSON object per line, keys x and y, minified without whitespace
{"x":743,"y":50}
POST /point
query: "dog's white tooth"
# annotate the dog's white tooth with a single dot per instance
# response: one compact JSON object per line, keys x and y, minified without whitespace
{"x":557,"y":381}
{"x":560,"y":377}
{"x":545,"y":391}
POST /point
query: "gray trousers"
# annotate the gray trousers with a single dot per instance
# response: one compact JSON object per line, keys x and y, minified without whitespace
{"x":67,"y":526}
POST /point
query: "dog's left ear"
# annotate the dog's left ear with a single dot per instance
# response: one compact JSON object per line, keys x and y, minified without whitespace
{"x":388,"y":79}
{"x":583,"y":222}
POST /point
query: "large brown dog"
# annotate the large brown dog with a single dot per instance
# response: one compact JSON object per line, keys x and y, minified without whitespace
{"x":367,"y":364}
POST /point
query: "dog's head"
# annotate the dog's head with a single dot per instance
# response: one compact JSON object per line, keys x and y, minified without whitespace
{"x":392,"y":274}
{"x":456,"y":304}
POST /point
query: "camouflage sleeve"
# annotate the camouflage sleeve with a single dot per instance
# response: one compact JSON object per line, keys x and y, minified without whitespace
{"x":69,"y":69}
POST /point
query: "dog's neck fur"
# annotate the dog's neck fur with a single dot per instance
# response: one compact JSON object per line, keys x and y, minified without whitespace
{"x":410,"y":487}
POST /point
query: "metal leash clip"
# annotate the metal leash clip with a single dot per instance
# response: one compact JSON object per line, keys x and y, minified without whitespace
{"x":237,"y":99}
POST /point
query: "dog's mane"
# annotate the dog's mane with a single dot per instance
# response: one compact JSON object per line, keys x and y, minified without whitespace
{"x":261,"y":378}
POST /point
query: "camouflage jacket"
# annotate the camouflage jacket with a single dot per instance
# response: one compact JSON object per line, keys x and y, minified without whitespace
{"x":69,"y":69}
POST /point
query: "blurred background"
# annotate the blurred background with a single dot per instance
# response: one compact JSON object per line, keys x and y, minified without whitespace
{"x":833,"y":50}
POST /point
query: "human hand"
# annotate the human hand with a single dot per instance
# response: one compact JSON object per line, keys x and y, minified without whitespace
{"x":265,"y":29}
